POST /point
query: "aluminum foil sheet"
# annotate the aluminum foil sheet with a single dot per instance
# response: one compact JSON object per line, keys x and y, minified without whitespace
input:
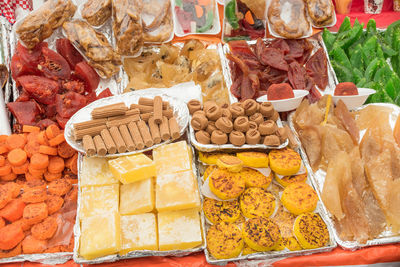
{"x":270,"y":255}
{"x":5,"y":59}
{"x":318,"y":178}
{"x":316,"y":41}
{"x":134,"y":254}
{"x":180,"y":112}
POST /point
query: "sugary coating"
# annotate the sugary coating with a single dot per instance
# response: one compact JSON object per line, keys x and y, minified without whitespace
{"x":172,"y":158}
{"x":137,"y":197}
{"x":98,"y":200}
{"x":95,"y":172}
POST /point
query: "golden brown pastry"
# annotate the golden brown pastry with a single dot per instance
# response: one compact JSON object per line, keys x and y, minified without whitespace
{"x":321,"y":12}
{"x":96,"y":12}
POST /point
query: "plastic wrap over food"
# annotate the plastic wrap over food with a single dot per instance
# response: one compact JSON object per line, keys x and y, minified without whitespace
{"x":321,"y":13}
{"x":135,"y":254}
{"x":386,"y":236}
{"x":288,"y":19}
{"x":179,"y":108}
{"x":96,"y":12}
{"x":196,"y":17}
{"x":41,"y":23}
{"x":127,"y":27}
{"x":157,"y":21}
{"x":5,"y":58}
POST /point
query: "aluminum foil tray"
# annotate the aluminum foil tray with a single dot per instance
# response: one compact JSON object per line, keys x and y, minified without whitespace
{"x":180,"y":111}
{"x":318,"y":178}
{"x":275,"y":254}
{"x":133,"y":254}
{"x":317,"y":42}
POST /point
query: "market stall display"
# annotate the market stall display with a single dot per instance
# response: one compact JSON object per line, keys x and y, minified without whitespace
{"x":157,"y":21}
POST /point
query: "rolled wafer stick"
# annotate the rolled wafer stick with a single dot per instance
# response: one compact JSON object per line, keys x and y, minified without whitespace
{"x":100,"y":146}
{"x":109,"y":111}
{"x":150,"y":102}
{"x":154,"y":130}
{"x":88,"y":145}
{"x":134,"y":111}
{"x":92,"y":131}
{"x":130,"y":145}
{"x":169,"y":113}
{"x":174,"y":128}
{"x":157,"y":110}
{"x":137,"y":138}
{"x":108,"y":141}
{"x":164,"y":129}
{"x":145,"y":133}
{"x":123,"y":120}
{"x":89,"y":124}
{"x":118,"y":140}
{"x":142,"y":108}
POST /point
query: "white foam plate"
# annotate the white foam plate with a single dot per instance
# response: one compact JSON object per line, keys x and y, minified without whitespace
{"x":286,"y":104}
{"x":354,"y":101}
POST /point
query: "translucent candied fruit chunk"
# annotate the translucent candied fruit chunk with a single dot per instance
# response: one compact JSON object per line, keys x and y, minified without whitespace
{"x":138,"y":232}
{"x":172,"y":158}
{"x":177,"y":191}
{"x":101,"y":235}
{"x":133,"y":168}
{"x":95,"y":171}
{"x":137,"y":197}
{"x":98,"y":200}
{"x":179,"y":229}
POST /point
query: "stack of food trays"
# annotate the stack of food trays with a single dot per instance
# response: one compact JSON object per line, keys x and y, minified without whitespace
{"x":238,"y":200}
{"x":359,"y":158}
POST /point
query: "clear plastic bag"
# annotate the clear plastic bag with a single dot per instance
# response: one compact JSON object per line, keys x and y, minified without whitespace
{"x":157,"y":21}
{"x":321,"y":12}
{"x":127,"y":27}
{"x":96,"y":12}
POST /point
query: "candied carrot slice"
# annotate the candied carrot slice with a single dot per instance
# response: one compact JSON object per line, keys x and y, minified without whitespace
{"x":8,"y":177}
{"x":52,"y":176}
{"x":2,"y":161}
{"x":72,"y":164}
{"x":65,"y":151}
{"x":3,"y":138}
{"x":5,"y":196}
{"x":17,"y":250}
{"x":5,"y":169}
{"x":30,"y":129}
{"x":56,"y":165}
{"x":48,"y":150}
{"x":32,"y":147}
{"x":17,"y":157}
{"x":3,"y":149}
{"x":52,"y":131}
{"x":20,"y":169}
{"x":30,"y":177}
{"x":36,"y":172}
{"x":59,"y":187}
{"x":15,"y":141}
{"x":45,"y":229}
{"x":10,"y":236}
{"x":57,"y":140}
{"x":35,"y":213}
{"x":31,"y":245}
{"x":39,"y":161}
{"x":54,"y":203}
{"x":2,"y":222}
{"x":34,"y":195}
{"x":23,"y":224}
{"x":42,"y":138}
{"x":13,"y":210}
{"x":14,"y":188}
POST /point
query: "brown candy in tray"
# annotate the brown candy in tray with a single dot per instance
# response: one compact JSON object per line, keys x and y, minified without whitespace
{"x":157,"y":21}
{"x":94,"y":45}
{"x":41,"y":23}
{"x":96,"y":12}
{"x":321,"y":12}
{"x":127,"y":26}
{"x":287,"y":18}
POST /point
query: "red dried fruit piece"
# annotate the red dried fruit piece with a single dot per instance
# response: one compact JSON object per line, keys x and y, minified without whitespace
{"x":346,"y":88}
{"x":280,"y":91}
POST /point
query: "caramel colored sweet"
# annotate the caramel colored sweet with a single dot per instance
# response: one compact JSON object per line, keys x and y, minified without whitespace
{"x":199,"y":122}
{"x":224,"y":105}
{"x":267,"y":127}
{"x":226,"y":113}
{"x":271,"y":140}
{"x":211,"y":127}
{"x":237,"y":138}
{"x":282,"y":133}
{"x":219,"y":138}
{"x":253,"y":125}
{"x":193,"y":106}
{"x":224,"y":124}
{"x":208,"y":104}
{"x":241,"y":124}
{"x":203,"y":137}
{"x":236,"y":111}
{"x":267,"y":109}
{"x":250,"y":107}
{"x":252,"y":137}
{"x":257,"y":118}
{"x":213,"y":112}
{"x":199,"y":112}
{"x":275,"y":116}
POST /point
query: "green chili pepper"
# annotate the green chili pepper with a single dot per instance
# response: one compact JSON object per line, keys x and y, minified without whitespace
{"x":343,"y":73}
{"x":358,"y":75}
{"x":356,"y":59}
{"x":369,"y":50}
{"x":371,"y":27}
{"x":346,"y":25}
{"x":347,"y":38}
{"x":329,"y":39}
{"x":379,"y":52}
{"x":340,"y":56}
{"x":371,"y":69}
{"x":383,"y":74}
{"x":392,"y":86}
{"x":389,"y":33}
{"x":395,"y":60}
{"x":236,"y":38}
{"x":230,"y":14}
{"x":362,"y":82}
{"x":209,"y":22}
{"x":386,"y":98}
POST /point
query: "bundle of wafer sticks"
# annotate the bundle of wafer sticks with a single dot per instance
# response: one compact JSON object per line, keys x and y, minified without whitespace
{"x":116,"y":128}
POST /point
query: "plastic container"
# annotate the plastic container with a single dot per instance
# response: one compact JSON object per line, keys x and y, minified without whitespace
{"x":355,"y":101}
{"x":373,"y":6}
{"x":286,"y":104}
{"x":318,"y":20}
{"x":241,"y":23}
{"x":196,"y":17}
{"x":95,"y":12}
{"x":157,"y":21}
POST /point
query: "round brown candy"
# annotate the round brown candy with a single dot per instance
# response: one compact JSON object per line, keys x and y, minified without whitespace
{"x":236,"y":111}
{"x":267,"y":127}
{"x":275,"y":116}
{"x":224,"y":124}
{"x":237,"y":138}
{"x":252,"y":137}
{"x":208,"y":103}
{"x":253,"y":125}
{"x":267,"y":109}
{"x":237,"y":104}
{"x":257,"y":118}
{"x":250,"y":106}
{"x":203,"y":137}
{"x":271,"y":140}
{"x":282,"y":134}
{"x":241,"y":124}
{"x":211,"y":127}
{"x":199,"y":122}
{"x":224,"y":105}
{"x":193,"y":106}
{"x":226,"y":113}
{"x":213,"y":112}
{"x":199,"y":112}
{"x":219,"y":138}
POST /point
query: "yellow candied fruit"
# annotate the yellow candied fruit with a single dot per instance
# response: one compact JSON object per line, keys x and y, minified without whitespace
{"x":211,"y":157}
{"x":133,"y":168}
{"x":261,"y":234}
{"x":98,"y":200}
{"x":231,"y":163}
{"x":137,"y":197}
{"x":299,"y":198}
{"x":225,"y":184}
{"x":254,"y":178}
{"x":311,"y":231}
{"x":172,"y":158}
{"x":95,"y":172}
{"x":138,"y":232}
{"x":224,"y":240}
{"x":285,"y":161}
{"x":257,"y":202}
{"x":208,"y":171}
{"x":287,"y":180}
{"x":254,"y":159}
{"x":221,"y":211}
